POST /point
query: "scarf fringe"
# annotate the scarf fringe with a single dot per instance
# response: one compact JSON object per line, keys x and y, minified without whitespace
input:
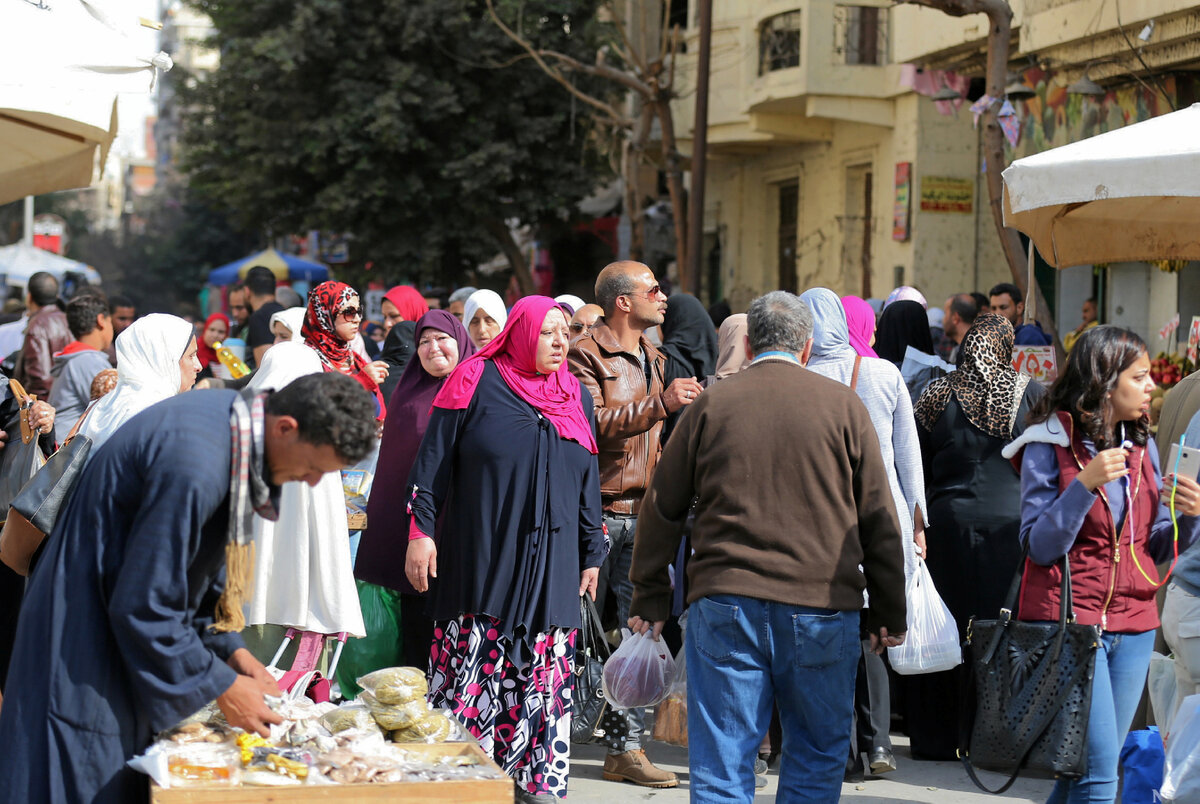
{"x":239,"y":586}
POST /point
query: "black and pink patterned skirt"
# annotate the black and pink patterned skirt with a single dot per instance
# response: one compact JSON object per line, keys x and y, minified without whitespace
{"x":521,"y":717}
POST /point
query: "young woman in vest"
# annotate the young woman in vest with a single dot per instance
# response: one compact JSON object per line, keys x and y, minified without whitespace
{"x":1092,"y":489}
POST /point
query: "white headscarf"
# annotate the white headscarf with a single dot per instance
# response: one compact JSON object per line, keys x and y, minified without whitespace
{"x":569,"y":299}
{"x":293,"y":319}
{"x":303,"y":576}
{"x":491,"y":303}
{"x":148,"y":355}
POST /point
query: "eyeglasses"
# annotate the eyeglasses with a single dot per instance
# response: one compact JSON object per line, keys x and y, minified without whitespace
{"x":580,"y":328}
{"x":350,"y":313}
{"x":649,"y":293}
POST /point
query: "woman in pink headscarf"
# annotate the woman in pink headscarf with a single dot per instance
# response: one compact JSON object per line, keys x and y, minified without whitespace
{"x":508,"y":464}
{"x":860,"y":320}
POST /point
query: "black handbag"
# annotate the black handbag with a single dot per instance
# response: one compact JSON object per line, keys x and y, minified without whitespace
{"x":34,"y":510}
{"x":593,"y":720}
{"x":21,"y":457}
{"x":1033,"y":691}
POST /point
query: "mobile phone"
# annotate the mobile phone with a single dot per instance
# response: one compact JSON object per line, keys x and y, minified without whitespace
{"x":1189,"y":461}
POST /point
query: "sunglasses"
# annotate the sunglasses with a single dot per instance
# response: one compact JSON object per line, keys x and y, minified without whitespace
{"x":350,"y":312}
{"x":578,"y":328}
{"x":649,"y":293}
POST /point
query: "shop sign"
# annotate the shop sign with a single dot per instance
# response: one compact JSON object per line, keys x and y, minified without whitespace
{"x":1039,"y":362}
{"x":945,"y":194}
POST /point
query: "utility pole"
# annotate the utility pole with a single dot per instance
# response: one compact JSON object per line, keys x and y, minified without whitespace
{"x":694,"y":255}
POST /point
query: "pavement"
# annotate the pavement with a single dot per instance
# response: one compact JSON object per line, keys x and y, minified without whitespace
{"x":913,"y":780}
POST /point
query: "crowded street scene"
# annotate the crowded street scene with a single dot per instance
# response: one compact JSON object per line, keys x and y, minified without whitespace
{"x":602,"y":401}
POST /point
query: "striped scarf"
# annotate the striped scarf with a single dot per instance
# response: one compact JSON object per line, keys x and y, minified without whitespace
{"x":249,"y":494}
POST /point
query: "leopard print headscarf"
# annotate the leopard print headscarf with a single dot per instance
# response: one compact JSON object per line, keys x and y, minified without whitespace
{"x":987,"y":388}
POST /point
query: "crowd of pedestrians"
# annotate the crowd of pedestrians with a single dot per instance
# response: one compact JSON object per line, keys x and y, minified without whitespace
{"x":756,"y":486}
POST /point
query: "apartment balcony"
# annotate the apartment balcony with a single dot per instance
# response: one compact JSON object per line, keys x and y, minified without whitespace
{"x":788,"y":72}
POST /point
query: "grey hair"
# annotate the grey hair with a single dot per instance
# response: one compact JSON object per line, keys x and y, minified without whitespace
{"x":461,"y":295}
{"x":610,"y":285}
{"x":779,"y":321}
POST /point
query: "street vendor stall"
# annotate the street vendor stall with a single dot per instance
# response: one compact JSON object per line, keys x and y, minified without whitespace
{"x":385,"y":745}
{"x":286,"y":267}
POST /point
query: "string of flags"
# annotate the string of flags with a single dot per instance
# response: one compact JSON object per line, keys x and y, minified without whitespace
{"x":1006,"y":117}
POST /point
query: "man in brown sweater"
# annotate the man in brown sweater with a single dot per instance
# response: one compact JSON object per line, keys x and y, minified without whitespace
{"x":792,"y":497}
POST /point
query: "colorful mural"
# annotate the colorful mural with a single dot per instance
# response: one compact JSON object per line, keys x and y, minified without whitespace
{"x":1055,"y":117}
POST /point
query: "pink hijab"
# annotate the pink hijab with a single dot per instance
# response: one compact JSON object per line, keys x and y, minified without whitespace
{"x":556,"y":396}
{"x":860,"y":320}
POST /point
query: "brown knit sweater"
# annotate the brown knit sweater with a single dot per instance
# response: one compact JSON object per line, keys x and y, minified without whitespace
{"x":791,"y":496}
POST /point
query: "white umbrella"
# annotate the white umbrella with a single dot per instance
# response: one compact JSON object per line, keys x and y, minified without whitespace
{"x":62,"y":65}
{"x":20,"y":261}
{"x":1128,"y":194}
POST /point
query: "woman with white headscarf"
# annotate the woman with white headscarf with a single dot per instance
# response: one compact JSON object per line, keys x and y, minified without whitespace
{"x":303,"y":576}
{"x":286,"y":325}
{"x":156,"y":359}
{"x":484,"y":316}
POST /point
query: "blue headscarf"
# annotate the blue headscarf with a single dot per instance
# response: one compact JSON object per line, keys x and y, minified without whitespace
{"x":831,"y":336}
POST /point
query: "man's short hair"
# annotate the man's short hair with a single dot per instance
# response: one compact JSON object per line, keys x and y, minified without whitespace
{"x":42,"y":288}
{"x":981,"y":301}
{"x":963,"y":305}
{"x":1009,"y":288}
{"x":332,"y":409}
{"x":237,"y":287}
{"x":260,"y":281}
{"x":82,"y":310}
{"x":461,"y":295}
{"x":779,"y":321}
{"x":610,"y":285}
{"x":120,"y":301}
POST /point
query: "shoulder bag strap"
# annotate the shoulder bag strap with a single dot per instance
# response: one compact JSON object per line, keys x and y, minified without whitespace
{"x":78,"y":423}
{"x":854,"y":376}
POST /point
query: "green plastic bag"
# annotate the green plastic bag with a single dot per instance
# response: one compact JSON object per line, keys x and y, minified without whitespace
{"x":380,"y":647}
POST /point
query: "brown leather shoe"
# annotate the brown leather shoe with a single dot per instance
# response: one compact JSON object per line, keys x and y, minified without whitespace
{"x":635,"y":766}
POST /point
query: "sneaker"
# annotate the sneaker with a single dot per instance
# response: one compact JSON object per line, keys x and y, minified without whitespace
{"x":760,"y":767}
{"x":522,"y":796}
{"x":634,"y":766}
{"x":882,"y":761}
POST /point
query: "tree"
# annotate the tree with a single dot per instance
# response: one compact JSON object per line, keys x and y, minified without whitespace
{"x":389,"y":120}
{"x":999,"y":15}
{"x":642,"y":66}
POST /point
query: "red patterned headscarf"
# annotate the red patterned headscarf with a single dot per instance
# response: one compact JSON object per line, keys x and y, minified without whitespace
{"x":325,"y":301}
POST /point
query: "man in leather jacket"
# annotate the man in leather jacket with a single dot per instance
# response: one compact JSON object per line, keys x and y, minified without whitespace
{"x":624,"y":374}
{"x":46,"y":333}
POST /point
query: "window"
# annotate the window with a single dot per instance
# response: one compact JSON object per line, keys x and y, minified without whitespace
{"x":860,"y":34}
{"x":789,"y":218}
{"x":779,"y":42}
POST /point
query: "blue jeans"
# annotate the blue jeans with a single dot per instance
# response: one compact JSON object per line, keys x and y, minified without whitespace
{"x":614,"y":576}
{"x":1121,"y":666}
{"x":743,"y":654}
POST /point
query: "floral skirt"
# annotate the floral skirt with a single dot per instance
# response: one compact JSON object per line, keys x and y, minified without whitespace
{"x":521,"y":717}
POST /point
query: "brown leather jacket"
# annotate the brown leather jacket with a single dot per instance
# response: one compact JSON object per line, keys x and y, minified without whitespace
{"x":629,"y":418}
{"x":45,"y":334}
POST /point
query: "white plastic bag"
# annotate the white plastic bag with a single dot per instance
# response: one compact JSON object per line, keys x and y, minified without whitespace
{"x":1181,"y":780}
{"x":932,"y":642}
{"x":639,"y":673}
{"x":1164,"y":689}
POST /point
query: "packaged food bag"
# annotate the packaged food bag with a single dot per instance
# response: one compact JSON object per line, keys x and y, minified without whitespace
{"x":639,"y":673}
{"x":670,"y":718}
{"x":932,"y":642}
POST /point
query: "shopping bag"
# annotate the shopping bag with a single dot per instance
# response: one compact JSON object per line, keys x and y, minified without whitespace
{"x":639,"y":673}
{"x":932,"y":642}
{"x":1181,"y":780}
{"x":1163,"y":689}
{"x":670,"y":718}
{"x":380,"y":647}
{"x":1142,"y":766}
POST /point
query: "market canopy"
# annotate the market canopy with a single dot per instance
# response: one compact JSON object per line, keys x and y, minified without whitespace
{"x":1128,"y":194}
{"x":62,"y":65}
{"x":20,"y":261}
{"x":286,"y":267}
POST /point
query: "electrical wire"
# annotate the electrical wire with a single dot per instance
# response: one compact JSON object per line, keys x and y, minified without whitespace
{"x":1174,"y":521}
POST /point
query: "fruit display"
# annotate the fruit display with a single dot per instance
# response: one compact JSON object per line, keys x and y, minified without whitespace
{"x":1167,"y":370}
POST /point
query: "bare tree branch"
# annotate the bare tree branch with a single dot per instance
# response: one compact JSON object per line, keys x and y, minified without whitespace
{"x":630,"y":53}
{"x":606,"y":108}
{"x":601,"y":71}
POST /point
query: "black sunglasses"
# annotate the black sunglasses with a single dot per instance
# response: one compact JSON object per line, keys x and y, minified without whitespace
{"x":351,"y":312}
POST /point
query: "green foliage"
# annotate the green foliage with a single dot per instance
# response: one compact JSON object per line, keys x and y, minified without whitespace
{"x":394,"y":120}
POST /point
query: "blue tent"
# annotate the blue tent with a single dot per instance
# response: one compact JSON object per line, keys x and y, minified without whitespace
{"x":285,"y":266}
